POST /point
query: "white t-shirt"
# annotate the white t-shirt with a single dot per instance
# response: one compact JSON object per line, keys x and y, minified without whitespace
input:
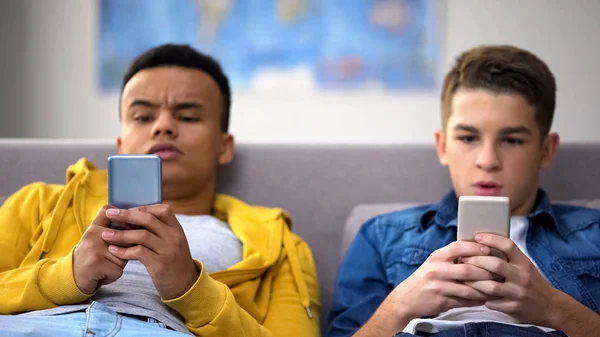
{"x":458,"y":317}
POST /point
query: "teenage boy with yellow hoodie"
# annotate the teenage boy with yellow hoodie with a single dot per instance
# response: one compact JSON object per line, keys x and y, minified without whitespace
{"x":201,"y":263}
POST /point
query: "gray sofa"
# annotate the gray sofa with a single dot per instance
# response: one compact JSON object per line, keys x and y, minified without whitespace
{"x":322,"y":186}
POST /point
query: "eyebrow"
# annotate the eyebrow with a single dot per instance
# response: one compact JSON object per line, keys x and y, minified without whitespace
{"x":188,"y":105}
{"x":465,"y":127}
{"x":143,"y":103}
{"x":516,"y":130}
{"x":511,"y":130}
{"x":178,"y":106}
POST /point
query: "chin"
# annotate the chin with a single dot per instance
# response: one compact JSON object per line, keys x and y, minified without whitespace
{"x":177,"y":176}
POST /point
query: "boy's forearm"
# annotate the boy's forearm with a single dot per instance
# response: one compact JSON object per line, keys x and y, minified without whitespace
{"x":574,"y":318}
{"x":47,"y":284}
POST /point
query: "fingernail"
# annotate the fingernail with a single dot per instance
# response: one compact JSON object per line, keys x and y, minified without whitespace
{"x":478,"y":237}
{"x":113,"y":211}
{"x":465,"y":259}
{"x":484,"y":250}
{"x":113,"y":249}
{"x":108,"y":234}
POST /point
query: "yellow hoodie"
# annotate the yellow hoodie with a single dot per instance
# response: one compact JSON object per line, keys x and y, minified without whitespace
{"x":273,"y":291}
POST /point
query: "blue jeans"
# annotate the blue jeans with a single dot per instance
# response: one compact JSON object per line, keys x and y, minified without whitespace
{"x":490,"y":329}
{"x":96,"y":321}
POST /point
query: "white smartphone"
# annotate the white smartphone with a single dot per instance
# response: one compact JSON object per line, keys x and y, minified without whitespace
{"x":483,"y":215}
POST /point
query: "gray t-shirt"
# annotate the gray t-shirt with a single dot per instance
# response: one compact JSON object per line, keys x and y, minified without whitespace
{"x":210,"y":240}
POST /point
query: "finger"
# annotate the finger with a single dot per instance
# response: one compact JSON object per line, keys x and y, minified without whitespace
{"x":451,"y":302}
{"x":111,"y":274}
{"x":132,"y":237}
{"x":140,"y":253}
{"x":504,"y":305}
{"x":143,"y":219}
{"x":493,"y":288}
{"x":466,"y":272}
{"x":461,"y":291}
{"x":162,"y":212}
{"x":462,"y":303}
{"x":503,"y":244}
{"x":490,"y":263}
{"x":101,"y":219}
{"x":458,"y":249}
{"x":121,"y":263}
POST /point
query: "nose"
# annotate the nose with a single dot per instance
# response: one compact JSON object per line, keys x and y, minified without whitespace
{"x":488,"y":158}
{"x":165,"y":125}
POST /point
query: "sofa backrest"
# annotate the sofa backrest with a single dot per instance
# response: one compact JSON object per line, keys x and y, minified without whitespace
{"x":318,"y":184}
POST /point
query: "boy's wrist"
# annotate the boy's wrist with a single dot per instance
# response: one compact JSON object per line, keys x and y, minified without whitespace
{"x":397,"y":315}
{"x":386,"y":321}
{"x":557,"y":309}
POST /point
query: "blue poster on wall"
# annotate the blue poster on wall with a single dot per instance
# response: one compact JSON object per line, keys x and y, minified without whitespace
{"x":393,"y":44}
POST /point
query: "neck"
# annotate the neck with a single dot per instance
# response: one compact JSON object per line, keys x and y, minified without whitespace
{"x":527,"y":206}
{"x":196,"y":202}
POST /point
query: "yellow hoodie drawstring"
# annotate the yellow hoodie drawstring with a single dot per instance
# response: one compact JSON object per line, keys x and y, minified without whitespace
{"x":288,"y":244}
{"x":59,"y":211}
{"x":226,"y":206}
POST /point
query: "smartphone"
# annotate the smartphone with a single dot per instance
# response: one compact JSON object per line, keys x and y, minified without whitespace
{"x":483,"y":214}
{"x":134,"y":180}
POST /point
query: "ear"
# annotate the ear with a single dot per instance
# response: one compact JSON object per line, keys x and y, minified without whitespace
{"x":440,"y":144}
{"x":119,"y":145}
{"x":549,"y":150}
{"x":226,"y":152}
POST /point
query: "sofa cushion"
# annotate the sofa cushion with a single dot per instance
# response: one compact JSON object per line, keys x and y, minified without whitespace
{"x":361,"y":213}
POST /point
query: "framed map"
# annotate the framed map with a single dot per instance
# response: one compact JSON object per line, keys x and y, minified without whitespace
{"x":340,"y":44}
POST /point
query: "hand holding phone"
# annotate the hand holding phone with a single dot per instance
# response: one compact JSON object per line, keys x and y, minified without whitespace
{"x":133,"y":181}
{"x":483,"y":215}
{"x":92,"y":265}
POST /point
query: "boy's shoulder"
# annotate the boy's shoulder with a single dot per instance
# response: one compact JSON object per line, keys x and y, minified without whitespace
{"x":576,"y":216}
{"x":574,"y":208}
{"x":403,"y":218}
{"x":414,"y":221}
{"x":420,"y":217}
{"x":405,"y":238}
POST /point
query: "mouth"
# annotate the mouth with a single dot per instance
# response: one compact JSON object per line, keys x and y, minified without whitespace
{"x":487,"y":188}
{"x":165,"y":151}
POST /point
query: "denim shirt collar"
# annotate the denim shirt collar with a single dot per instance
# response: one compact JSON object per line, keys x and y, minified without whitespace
{"x":446,"y":211}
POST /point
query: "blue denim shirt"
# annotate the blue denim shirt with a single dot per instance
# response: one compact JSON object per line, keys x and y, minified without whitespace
{"x":563,"y":240}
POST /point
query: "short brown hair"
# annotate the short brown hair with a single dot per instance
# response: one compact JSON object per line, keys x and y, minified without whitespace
{"x":503,"y":69}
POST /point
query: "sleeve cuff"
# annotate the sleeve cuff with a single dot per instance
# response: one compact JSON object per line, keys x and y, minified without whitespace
{"x":57,"y":283}
{"x":202,"y":302}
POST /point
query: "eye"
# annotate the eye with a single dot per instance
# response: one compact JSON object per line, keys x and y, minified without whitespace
{"x":188,"y":119}
{"x":143,"y":118}
{"x":467,"y":139}
{"x":513,"y":141}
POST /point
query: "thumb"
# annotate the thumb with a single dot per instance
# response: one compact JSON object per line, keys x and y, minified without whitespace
{"x":101,"y":219}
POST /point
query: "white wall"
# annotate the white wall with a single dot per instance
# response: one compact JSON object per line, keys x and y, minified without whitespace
{"x":55,"y":93}
{"x":13,"y":121}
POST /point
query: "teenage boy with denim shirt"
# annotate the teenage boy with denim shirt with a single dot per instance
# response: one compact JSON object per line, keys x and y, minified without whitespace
{"x":400,"y":276}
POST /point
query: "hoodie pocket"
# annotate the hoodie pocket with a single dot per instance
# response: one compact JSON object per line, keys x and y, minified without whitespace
{"x":405,"y":264}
